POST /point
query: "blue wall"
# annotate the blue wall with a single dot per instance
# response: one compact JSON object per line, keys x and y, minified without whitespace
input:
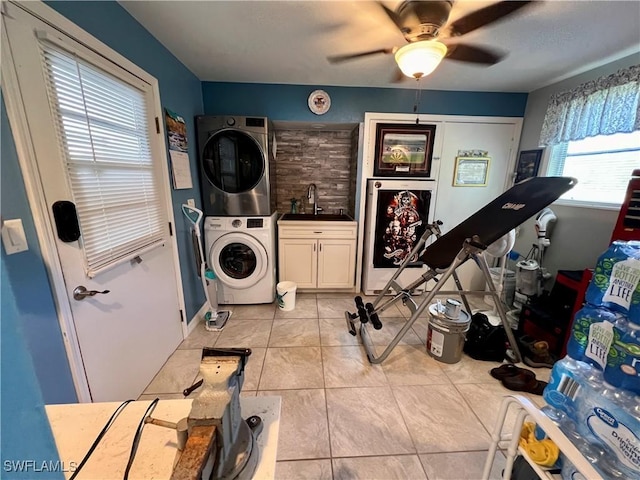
{"x":26,"y":434}
{"x":348,"y":104}
{"x":27,"y":275}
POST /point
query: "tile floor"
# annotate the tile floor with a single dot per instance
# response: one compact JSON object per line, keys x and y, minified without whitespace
{"x":411,"y":417}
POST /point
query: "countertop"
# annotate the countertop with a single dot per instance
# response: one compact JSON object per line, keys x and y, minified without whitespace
{"x":75,"y":427}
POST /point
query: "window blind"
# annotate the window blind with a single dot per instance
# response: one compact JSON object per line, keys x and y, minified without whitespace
{"x":103,"y":131}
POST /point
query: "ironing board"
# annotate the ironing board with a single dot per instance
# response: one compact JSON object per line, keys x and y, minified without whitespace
{"x":468,"y":240}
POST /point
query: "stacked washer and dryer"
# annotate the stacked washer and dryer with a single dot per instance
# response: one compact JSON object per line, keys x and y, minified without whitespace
{"x":237,"y":178}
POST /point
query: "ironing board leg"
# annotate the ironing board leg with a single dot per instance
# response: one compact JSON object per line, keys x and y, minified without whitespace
{"x":364,"y":334}
{"x":456,"y":279}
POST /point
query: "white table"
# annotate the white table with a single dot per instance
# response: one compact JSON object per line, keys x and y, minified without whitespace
{"x":75,"y":427}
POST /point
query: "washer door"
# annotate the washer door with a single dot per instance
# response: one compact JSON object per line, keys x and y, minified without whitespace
{"x":238,"y":260}
{"x":233,"y":161}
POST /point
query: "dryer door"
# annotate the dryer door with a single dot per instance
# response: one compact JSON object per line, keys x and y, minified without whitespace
{"x":238,"y":260}
{"x":233,"y":161}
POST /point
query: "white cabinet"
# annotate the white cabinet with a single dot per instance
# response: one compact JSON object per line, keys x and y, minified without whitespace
{"x":298,"y":261}
{"x":317,"y":254}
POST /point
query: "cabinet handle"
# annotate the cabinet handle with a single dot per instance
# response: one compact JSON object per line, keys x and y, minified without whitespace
{"x":320,"y":247}
{"x":317,"y":232}
{"x":314,"y":247}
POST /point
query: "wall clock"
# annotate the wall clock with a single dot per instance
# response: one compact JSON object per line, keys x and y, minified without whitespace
{"x":319,"y":102}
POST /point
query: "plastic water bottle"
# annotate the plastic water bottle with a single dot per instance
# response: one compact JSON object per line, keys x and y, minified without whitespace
{"x":565,"y":385}
{"x":592,"y":334}
{"x":603,"y":422}
{"x":623,"y":364}
{"x":616,"y":279}
{"x":608,"y":420}
{"x":570,"y":472}
{"x":590,"y":452}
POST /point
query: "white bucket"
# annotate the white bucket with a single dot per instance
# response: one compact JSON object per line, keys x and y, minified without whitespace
{"x":286,"y":295}
{"x":445,"y":336}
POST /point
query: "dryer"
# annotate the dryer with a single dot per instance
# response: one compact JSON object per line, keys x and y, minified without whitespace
{"x":241,"y":251}
{"x":236,"y":165}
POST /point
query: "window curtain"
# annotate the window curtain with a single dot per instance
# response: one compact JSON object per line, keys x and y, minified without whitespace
{"x":603,"y":106}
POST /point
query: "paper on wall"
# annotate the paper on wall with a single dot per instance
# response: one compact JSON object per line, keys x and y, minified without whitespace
{"x":178,"y":150}
{"x":180,"y":169}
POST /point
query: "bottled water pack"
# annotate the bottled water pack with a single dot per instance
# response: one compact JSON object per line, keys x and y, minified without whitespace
{"x":601,"y":420}
{"x":616,"y":280}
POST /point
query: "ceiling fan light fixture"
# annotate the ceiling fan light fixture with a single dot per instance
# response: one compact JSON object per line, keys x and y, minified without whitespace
{"x":419,"y":59}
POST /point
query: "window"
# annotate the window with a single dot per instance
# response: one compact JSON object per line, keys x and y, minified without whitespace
{"x":602,"y":164}
{"x":104,"y":132}
{"x":593,"y":134}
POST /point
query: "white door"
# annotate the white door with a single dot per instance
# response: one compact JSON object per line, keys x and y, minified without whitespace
{"x":95,"y":143}
{"x":456,"y":204}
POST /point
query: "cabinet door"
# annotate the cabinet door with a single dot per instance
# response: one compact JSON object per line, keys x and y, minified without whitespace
{"x":336,"y":263}
{"x":298,"y":261}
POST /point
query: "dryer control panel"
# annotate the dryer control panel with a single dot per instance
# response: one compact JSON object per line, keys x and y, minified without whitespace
{"x":255,"y":223}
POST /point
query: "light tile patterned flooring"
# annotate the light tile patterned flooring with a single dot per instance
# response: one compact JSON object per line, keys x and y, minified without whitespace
{"x":411,"y":417}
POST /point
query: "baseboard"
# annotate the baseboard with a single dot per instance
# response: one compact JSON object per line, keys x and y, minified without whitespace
{"x":197,"y":318}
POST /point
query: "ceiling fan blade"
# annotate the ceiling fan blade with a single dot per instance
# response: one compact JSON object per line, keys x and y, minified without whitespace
{"x":485,"y":16}
{"x":351,"y":56}
{"x":395,"y":18}
{"x":471,"y":54}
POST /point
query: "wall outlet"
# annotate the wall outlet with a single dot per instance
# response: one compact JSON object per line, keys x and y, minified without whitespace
{"x":191,"y":202}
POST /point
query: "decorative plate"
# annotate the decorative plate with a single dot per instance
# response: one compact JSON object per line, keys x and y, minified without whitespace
{"x":319,"y":102}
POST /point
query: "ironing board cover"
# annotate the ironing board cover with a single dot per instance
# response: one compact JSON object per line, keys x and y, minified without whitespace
{"x":497,"y":218}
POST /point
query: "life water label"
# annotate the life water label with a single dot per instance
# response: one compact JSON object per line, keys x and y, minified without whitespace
{"x":618,"y":436}
{"x":623,"y":282}
{"x":599,"y":342}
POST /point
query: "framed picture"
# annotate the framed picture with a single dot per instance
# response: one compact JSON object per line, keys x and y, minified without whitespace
{"x":403,"y":150}
{"x":528,"y":164}
{"x":471,"y":171}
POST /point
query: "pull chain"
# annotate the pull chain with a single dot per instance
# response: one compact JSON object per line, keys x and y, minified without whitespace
{"x":417,"y":102}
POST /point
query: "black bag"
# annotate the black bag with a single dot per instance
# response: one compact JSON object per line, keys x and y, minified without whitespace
{"x":485,"y":341}
{"x":522,"y":470}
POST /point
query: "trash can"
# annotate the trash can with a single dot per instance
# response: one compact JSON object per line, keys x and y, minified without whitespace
{"x":446,"y":335}
{"x":508,"y":285}
{"x":286,"y":295}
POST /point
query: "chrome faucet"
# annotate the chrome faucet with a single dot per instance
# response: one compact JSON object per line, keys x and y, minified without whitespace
{"x":312,"y":193}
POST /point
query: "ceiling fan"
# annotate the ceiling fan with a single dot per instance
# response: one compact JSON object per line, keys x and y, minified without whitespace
{"x":424,"y":24}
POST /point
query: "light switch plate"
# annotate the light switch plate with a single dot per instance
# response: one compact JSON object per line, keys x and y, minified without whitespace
{"x":191,"y":202}
{"x":13,"y":236}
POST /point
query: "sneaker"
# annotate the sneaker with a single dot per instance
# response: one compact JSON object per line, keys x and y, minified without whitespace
{"x":536,"y":354}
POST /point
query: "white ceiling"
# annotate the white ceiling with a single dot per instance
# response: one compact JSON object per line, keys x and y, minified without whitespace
{"x":288,"y":41}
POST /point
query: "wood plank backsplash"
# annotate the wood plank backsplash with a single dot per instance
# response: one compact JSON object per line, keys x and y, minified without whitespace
{"x":326,"y":158}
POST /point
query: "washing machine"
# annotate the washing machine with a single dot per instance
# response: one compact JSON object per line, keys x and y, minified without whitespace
{"x":241,"y":251}
{"x":237,"y":165}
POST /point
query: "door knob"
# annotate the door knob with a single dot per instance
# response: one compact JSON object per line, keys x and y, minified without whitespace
{"x":81,"y":292}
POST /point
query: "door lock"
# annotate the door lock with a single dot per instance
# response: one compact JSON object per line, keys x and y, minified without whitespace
{"x":81,"y":292}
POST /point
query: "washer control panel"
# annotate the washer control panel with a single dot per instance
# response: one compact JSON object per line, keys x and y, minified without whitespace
{"x":255,"y":222}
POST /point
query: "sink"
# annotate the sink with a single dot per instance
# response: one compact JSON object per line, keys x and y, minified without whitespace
{"x":322,"y":217}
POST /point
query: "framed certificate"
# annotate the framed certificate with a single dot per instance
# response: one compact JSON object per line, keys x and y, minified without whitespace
{"x":471,"y":171}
